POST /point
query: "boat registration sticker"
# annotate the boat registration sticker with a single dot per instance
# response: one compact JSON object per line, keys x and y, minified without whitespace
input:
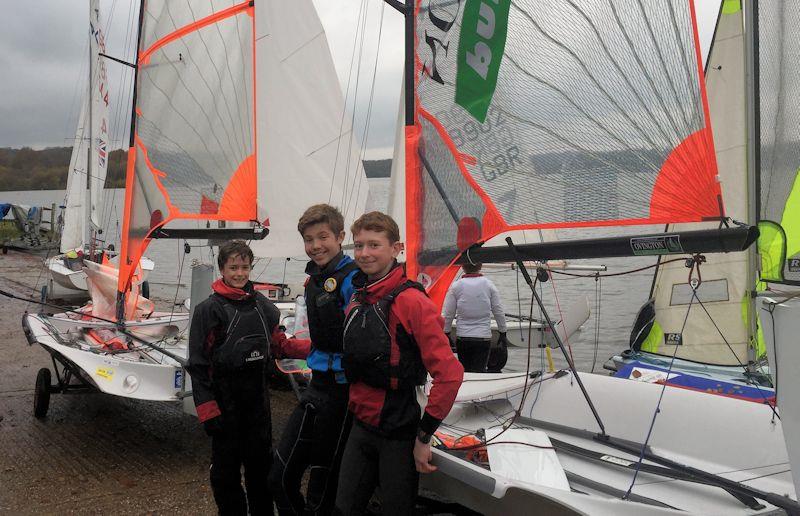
{"x":655,"y":245}
{"x":105,"y":372}
{"x":616,"y":460}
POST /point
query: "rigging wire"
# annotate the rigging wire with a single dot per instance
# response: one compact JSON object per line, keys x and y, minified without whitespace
{"x":362,"y":154}
{"x":178,"y":282}
{"x":660,"y":398}
{"x":755,"y":384}
{"x":360,"y":19}
{"x":355,"y":100}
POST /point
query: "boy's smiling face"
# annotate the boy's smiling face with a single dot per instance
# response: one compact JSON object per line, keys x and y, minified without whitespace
{"x":374,"y":253}
{"x":321,"y":243}
{"x":236,"y":271}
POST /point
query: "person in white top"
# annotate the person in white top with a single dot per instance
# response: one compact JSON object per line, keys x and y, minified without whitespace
{"x":473,"y":299}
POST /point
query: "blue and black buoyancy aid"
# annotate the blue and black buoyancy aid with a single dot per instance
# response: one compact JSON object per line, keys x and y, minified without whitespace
{"x":368,"y":346}
{"x":246,"y":337}
{"x":327,"y":293}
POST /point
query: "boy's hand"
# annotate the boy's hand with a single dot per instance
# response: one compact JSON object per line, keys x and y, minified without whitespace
{"x":213,"y":426}
{"x":422,"y":457}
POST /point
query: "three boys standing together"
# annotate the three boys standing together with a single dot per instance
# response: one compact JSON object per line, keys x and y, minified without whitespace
{"x":375,"y":336}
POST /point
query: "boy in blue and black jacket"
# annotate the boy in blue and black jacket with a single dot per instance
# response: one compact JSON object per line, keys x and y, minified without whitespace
{"x":317,"y":430}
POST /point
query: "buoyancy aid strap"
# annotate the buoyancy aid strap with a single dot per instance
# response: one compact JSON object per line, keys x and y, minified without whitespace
{"x":231,"y":312}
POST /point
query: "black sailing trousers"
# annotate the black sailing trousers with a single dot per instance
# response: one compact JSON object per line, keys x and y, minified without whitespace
{"x":245,"y":441}
{"x":313,"y":439}
{"x":371,"y":459}
{"x":473,"y":353}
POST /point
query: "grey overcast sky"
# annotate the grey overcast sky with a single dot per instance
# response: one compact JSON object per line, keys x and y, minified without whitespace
{"x":43,"y":54}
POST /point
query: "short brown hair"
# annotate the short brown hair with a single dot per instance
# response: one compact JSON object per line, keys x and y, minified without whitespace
{"x":234,"y":248}
{"x":379,"y":222}
{"x":471,"y":268}
{"x":321,"y":214}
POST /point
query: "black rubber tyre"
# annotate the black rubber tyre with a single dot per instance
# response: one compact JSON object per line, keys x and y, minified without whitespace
{"x":145,"y":289}
{"x":41,"y":394}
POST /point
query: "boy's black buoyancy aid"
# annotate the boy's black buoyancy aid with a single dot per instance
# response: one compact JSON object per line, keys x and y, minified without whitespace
{"x":368,"y":344}
{"x":246,"y":339}
{"x":324,"y":304}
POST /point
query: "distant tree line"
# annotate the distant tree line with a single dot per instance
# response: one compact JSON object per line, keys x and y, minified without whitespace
{"x":46,"y":169}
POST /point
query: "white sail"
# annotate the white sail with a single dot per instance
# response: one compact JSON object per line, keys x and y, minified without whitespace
{"x":91,"y":143}
{"x":74,"y":224}
{"x":306,"y":151}
{"x":100,"y":127}
{"x":724,"y":276}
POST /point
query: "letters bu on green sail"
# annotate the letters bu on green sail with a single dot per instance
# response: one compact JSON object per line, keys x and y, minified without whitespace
{"x":480,"y":50}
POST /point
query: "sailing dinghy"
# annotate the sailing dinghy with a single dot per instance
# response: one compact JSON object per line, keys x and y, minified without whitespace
{"x":82,"y":217}
{"x":776,"y":116}
{"x":716,"y":351}
{"x":224,"y":130}
{"x":574,"y":113}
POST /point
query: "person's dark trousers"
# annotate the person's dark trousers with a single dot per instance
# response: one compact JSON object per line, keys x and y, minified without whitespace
{"x":245,"y":441}
{"x":314,"y":438}
{"x":370,"y":459}
{"x":473,"y":353}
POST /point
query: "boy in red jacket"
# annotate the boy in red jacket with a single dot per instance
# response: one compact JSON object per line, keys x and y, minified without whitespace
{"x":393,"y":339}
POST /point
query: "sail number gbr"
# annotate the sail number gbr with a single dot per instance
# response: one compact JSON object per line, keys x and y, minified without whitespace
{"x":491,"y":142}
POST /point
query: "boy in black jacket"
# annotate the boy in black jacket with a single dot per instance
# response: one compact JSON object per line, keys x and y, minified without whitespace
{"x":314,"y":436}
{"x":231,"y":337}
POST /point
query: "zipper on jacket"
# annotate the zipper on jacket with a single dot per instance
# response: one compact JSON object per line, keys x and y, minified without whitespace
{"x":347,"y":325}
{"x":379,"y":313}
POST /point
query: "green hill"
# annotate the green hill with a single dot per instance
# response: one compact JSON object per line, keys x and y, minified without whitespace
{"x":46,"y":169}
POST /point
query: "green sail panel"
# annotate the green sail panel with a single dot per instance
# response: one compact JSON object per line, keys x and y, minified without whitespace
{"x":779,"y":140}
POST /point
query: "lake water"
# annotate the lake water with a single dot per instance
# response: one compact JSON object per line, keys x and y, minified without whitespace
{"x":620,"y":296}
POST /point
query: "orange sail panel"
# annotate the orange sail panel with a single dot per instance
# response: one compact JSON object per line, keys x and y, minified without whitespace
{"x":194,"y":154}
{"x":553,"y":114}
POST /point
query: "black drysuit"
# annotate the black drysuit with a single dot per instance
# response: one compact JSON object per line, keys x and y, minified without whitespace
{"x":228,"y":350}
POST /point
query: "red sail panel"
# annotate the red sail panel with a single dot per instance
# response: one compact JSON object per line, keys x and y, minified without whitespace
{"x":194,"y":151}
{"x":553,"y":114}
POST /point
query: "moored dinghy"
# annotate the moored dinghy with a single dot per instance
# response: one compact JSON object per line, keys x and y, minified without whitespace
{"x":82,"y":217}
{"x":613,"y":94}
{"x":193,"y":158}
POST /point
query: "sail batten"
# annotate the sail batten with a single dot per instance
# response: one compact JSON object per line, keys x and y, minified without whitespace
{"x":555,"y":114}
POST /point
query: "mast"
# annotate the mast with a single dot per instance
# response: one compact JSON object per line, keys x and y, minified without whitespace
{"x":753,"y":164}
{"x":88,"y":230}
{"x":130,"y":172}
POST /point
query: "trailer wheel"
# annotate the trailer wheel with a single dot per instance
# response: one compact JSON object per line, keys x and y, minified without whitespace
{"x":145,"y":289}
{"x":41,"y":394}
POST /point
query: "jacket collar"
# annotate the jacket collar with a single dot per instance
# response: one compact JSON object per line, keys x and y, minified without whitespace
{"x":472,"y":275}
{"x":338,"y":261}
{"x":233,"y":293}
{"x":370,"y":292}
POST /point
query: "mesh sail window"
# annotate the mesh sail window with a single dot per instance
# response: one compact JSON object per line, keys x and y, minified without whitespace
{"x":194,"y":154}
{"x":553,"y":114}
{"x":779,"y":121}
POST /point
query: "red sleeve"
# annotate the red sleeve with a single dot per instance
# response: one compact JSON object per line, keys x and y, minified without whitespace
{"x":283,"y":347}
{"x":419,"y":314}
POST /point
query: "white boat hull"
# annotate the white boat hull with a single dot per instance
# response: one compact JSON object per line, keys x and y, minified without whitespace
{"x":734,"y":439}
{"x":781,"y":324}
{"x":143,"y":374}
{"x":73,"y":279}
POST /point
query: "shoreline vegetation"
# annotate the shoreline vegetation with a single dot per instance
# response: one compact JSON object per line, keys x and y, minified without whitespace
{"x":46,"y":169}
